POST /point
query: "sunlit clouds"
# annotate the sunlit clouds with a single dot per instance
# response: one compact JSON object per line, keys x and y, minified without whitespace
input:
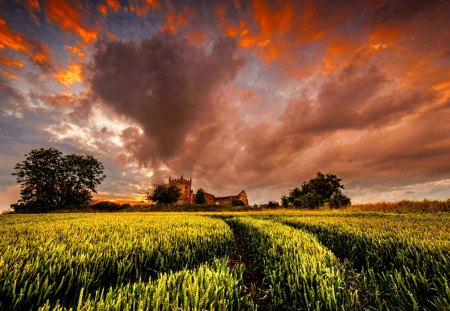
{"x":255,"y":95}
{"x":69,"y":76}
{"x":69,"y":18}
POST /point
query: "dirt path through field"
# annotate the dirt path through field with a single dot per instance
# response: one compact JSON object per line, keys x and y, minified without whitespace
{"x":253,"y":278}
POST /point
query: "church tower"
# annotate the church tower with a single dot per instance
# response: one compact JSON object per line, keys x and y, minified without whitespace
{"x":187,"y":194}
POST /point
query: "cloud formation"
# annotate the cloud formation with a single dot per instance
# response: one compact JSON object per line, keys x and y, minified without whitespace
{"x":38,"y":52}
{"x":165,"y":84}
{"x":254,"y":94}
{"x":69,"y":17}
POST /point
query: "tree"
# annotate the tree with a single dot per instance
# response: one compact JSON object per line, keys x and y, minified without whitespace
{"x":273,"y":204}
{"x":200,"y":197}
{"x":284,"y":201}
{"x":324,"y":189}
{"x":338,"y":200}
{"x":164,"y":194}
{"x":50,"y":180}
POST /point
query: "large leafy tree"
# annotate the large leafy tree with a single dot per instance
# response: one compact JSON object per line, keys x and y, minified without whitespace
{"x":324,"y":189}
{"x":164,"y":194}
{"x":50,"y":180}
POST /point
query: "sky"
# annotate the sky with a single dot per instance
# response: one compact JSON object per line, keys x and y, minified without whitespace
{"x":256,"y":95}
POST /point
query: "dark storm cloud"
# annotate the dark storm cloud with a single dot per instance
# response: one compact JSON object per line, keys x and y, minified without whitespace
{"x":165,"y":84}
{"x":401,"y":10}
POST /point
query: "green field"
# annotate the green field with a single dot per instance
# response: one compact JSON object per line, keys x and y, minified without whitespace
{"x":225,"y":261}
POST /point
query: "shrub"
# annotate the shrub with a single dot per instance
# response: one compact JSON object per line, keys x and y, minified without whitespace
{"x":238,"y":203}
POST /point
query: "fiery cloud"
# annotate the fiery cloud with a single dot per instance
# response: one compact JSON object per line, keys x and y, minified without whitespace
{"x":142,"y":7}
{"x":75,"y":51}
{"x":174,"y":21}
{"x":34,"y":4}
{"x":11,"y":62}
{"x":69,"y":76}
{"x":38,"y":52}
{"x":254,"y":94}
{"x":112,"y":5}
{"x":69,"y":17}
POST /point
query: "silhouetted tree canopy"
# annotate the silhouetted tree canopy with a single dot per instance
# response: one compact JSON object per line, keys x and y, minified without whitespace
{"x":50,"y":180}
{"x":284,"y":201}
{"x":238,"y":203}
{"x":324,"y":189}
{"x":200,"y":197}
{"x":164,"y":194}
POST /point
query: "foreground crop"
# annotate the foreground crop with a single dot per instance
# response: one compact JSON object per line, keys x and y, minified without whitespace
{"x":303,"y":261}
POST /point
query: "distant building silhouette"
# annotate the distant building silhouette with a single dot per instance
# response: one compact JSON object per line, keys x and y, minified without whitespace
{"x":188,"y":197}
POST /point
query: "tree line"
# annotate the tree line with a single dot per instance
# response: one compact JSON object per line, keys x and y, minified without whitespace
{"x":50,"y":180}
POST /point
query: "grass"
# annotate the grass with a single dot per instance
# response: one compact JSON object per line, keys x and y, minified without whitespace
{"x":404,"y":206}
{"x":260,"y":259}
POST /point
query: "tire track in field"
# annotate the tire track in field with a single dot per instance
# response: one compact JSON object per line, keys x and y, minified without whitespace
{"x":356,"y":274}
{"x":253,"y":278}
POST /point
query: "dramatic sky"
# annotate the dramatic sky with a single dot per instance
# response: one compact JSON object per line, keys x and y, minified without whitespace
{"x":256,"y":95}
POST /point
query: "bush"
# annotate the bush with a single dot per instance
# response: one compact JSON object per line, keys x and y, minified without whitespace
{"x":273,"y":204}
{"x":200,"y":197}
{"x":109,"y":206}
{"x":238,"y":203}
{"x":284,"y":201}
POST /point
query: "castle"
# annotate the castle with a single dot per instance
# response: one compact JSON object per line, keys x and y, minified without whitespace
{"x":188,"y":197}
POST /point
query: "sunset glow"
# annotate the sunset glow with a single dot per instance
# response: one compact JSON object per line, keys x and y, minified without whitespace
{"x":256,"y":95}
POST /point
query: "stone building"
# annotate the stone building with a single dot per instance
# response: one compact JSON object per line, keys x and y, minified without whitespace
{"x":188,"y":196}
{"x":210,"y":198}
{"x":230,"y":199}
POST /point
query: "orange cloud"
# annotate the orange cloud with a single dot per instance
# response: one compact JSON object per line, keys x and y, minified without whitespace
{"x":14,"y":41}
{"x":143,"y":7}
{"x":268,"y":38}
{"x":38,"y":52}
{"x":40,"y":55}
{"x":69,"y":76}
{"x":272,"y":27}
{"x":273,"y":20}
{"x":113,"y":4}
{"x":75,"y":51}
{"x":311,"y":28}
{"x":103,"y":9}
{"x":336,"y":51}
{"x":34,"y":4}
{"x":69,"y":18}
{"x":384,"y":35}
{"x":443,"y":87}
{"x":109,"y":4}
{"x":11,"y":62}
{"x":196,"y":36}
{"x":175,"y":21}
{"x":273,"y":30}
{"x":7,"y":75}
